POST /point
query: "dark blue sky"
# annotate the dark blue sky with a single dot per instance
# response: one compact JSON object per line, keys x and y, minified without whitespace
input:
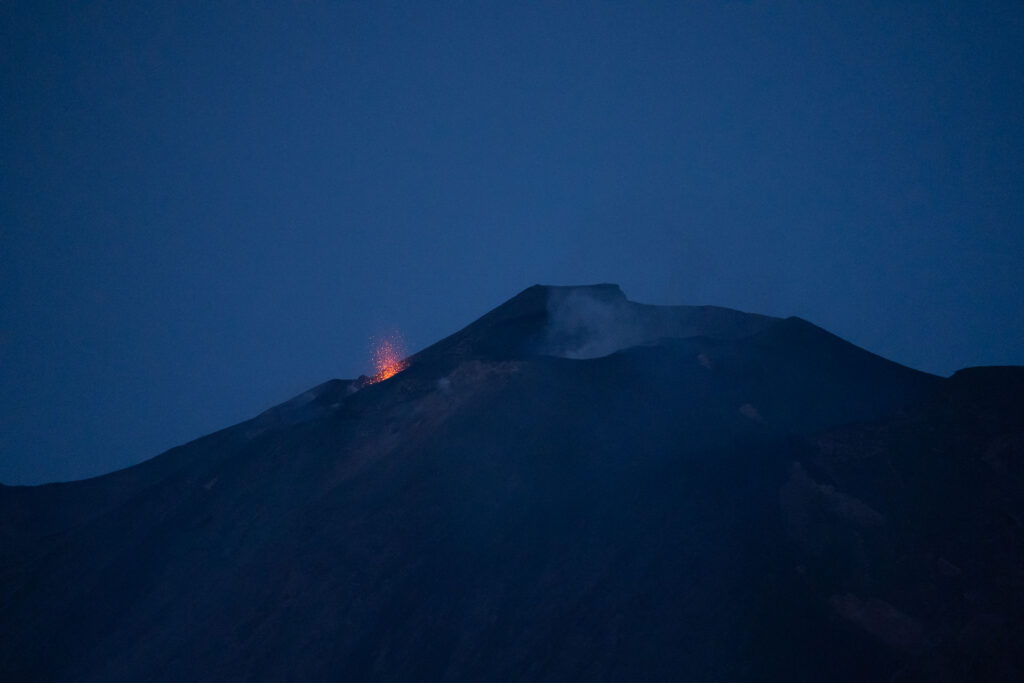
{"x":208,"y":208}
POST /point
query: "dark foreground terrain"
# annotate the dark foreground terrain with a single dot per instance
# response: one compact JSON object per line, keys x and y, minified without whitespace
{"x":574,"y":487}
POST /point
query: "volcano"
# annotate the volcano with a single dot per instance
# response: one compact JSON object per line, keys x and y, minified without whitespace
{"x":573,"y":487}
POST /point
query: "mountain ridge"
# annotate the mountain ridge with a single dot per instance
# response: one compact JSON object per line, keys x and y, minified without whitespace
{"x":511,"y":505}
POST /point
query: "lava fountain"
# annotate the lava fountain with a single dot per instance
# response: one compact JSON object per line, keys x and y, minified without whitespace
{"x":387,"y":358}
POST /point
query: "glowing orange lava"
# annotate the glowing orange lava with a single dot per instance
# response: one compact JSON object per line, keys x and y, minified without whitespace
{"x":387,"y":358}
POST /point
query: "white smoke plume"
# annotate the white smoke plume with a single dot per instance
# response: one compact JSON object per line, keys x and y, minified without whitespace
{"x":594,"y":321}
{"x":582,"y":324}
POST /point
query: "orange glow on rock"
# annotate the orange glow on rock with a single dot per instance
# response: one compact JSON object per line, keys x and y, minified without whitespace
{"x":387,"y":358}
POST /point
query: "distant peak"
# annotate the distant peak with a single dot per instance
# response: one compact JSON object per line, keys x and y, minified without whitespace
{"x":586,"y":321}
{"x":601,"y":292}
{"x":597,"y":320}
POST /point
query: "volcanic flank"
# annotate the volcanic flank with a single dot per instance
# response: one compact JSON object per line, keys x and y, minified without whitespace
{"x":575,"y":486}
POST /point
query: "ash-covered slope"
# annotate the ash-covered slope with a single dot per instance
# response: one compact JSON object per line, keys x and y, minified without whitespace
{"x":573,"y":486}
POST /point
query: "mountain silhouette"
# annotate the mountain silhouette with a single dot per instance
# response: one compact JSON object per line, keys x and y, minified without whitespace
{"x":573,"y":487}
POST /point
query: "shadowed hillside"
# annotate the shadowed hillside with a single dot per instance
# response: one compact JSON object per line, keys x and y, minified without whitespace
{"x":574,"y":486}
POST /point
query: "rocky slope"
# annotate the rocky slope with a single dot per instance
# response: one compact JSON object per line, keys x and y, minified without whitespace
{"x":574,"y":486}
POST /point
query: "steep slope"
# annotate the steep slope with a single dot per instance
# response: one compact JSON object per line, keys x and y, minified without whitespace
{"x":507,"y":508}
{"x":911,"y":529}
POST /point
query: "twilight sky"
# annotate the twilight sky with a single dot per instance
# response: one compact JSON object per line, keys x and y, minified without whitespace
{"x":207,"y":208}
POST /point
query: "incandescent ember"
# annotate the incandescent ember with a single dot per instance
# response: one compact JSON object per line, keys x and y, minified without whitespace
{"x":387,"y":359}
